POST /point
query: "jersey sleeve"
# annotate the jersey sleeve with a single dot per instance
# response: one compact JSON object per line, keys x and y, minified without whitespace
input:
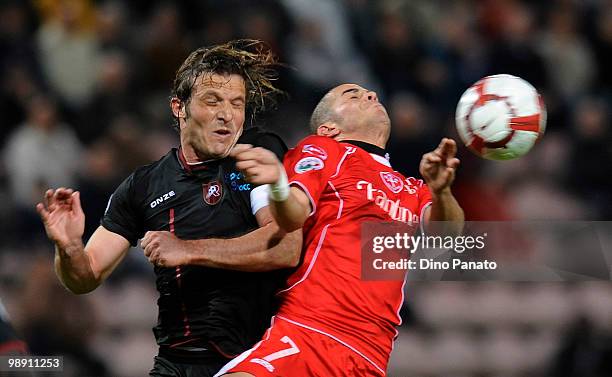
{"x":311,"y":164}
{"x":120,"y":216}
{"x":424,"y":197}
{"x":272,"y":142}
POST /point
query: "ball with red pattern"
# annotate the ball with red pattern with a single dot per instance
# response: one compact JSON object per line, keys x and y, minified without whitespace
{"x":500,"y":117}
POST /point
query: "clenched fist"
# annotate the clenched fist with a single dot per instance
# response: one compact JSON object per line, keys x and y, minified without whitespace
{"x":164,"y":249}
{"x":259,"y":165}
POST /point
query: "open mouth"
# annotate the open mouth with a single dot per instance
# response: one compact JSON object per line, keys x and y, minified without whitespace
{"x":223,"y":132}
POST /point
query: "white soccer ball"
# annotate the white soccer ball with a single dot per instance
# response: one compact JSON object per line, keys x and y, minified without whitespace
{"x":500,"y":117}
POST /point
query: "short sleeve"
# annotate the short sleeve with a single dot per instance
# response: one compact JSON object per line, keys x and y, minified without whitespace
{"x":120,"y":216}
{"x":312,"y":163}
{"x":424,"y":197}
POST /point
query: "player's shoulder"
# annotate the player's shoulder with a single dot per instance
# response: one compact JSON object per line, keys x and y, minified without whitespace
{"x":260,"y":137}
{"x":319,"y":145}
{"x":162,"y":167}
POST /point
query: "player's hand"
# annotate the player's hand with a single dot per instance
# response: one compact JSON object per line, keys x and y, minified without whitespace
{"x":259,"y":165}
{"x":63,"y":217}
{"x":164,"y":249}
{"x":438,"y":167}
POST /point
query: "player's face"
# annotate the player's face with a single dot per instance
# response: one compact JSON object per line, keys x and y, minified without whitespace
{"x":359,"y":109}
{"x":214,"y":117}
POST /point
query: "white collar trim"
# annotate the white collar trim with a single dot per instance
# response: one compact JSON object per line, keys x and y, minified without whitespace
{"x":380,"y":159}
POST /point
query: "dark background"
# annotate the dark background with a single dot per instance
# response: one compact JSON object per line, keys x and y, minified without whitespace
{"x":84,"y":89}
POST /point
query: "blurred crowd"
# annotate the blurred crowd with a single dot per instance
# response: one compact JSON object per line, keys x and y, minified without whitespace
{"x":85,"y":85}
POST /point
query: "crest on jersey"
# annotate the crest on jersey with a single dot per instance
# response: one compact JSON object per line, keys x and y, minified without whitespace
{"x":308,"y":164}
{"x":212,"y":192}
{"x":315,"y":150}
{"x":392,"y":181}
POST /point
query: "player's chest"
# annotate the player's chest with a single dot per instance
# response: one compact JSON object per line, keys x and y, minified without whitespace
{"x":379,"y":193}
{"x":194,"y":208}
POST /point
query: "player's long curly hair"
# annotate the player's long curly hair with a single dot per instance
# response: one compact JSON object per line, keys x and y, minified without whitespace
{"x":246,"y":57}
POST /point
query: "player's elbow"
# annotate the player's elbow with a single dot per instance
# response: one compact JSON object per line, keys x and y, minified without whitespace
{"x":293,"y":259}
{"x":293,"y":250}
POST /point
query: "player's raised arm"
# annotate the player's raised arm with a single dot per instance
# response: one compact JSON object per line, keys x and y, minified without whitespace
{"x":438,"y":169}
{"x":81,"y":269}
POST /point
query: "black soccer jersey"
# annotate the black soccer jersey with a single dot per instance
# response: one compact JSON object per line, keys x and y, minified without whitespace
{"x":199,"y":307}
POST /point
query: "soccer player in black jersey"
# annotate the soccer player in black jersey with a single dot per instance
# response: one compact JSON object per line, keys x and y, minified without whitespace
{"x":207,"y":313}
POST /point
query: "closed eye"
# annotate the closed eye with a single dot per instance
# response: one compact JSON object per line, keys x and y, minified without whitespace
{"x":238,"y":103}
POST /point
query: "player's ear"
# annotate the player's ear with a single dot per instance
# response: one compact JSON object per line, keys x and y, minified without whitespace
{"x":328,"y":129}
{"x":178,"y":108}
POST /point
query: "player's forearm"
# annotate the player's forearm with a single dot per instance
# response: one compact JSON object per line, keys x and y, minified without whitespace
{"x":291,"y":214}
{"x":73,"y":268}
{"x":445,"y":208}
{"x":264,"y":249}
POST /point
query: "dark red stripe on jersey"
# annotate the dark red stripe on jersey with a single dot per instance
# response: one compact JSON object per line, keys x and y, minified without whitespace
{"x":179,"y":281}
{"x":220,"y":351}
{"x":13,"y":346}
{"x":500,"y":144}
{"x":171,"y":221}
{"x":182,"y":343}
{"x":526,"y":123}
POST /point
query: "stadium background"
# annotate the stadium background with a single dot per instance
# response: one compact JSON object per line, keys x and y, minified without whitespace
{"x":84,"y":100}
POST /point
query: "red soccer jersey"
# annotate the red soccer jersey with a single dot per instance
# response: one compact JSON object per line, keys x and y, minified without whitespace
{"x":347,"y":186}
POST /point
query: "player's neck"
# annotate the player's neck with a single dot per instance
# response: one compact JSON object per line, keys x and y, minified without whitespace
{"x":376,"y":140}
{"x":189,"y":154}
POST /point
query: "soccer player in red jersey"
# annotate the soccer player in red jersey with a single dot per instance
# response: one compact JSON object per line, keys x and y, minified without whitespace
{"x":330,"y":322}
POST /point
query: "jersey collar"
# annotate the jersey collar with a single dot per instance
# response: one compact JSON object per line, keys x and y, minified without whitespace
{"x":204,"y":166}
{"x":377,"y":153}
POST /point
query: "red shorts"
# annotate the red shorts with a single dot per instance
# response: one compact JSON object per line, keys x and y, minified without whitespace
{"x":289,"y":350}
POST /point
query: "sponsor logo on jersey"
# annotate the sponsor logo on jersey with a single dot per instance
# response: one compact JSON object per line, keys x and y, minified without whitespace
{"x":315,"y":150}
{"x":159,"y":200}
{"x":236,"y":181}
{"x":212,"y":192}
{"x":413,"y":185}
{"x":392,"y":181}
{"x":392,"y":207}
{"x":308,"y":164}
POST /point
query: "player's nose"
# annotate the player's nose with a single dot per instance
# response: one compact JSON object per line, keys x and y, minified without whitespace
{"x":372,"y":96}
{"x":225,"y":114}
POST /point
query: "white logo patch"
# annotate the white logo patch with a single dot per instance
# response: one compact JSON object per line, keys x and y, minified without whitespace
{"x":315,"y":150}
{"x":392,"y":181}
{"x":308,"y":164}
{"x":161,"y":199}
